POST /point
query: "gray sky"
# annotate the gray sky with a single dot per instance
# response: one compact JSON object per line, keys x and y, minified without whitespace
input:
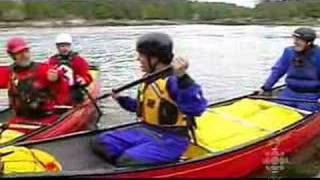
{"x":249,"y":3}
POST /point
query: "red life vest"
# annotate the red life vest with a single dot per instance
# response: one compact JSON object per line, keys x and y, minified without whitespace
{"x":27,"y":96}
{"x":65,"y":64}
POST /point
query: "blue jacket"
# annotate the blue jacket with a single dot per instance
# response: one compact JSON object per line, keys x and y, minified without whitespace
{"x":303,"y":77}
{"x":184,"y":91}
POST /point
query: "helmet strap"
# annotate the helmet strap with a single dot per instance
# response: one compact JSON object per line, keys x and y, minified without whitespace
{"x":152,"y":67}
{"x":310,"y":44}
{"x":12,"y":56}
{"x":309,"y":47}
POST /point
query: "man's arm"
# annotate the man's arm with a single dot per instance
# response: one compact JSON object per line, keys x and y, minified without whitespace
{"x":278,"y":70}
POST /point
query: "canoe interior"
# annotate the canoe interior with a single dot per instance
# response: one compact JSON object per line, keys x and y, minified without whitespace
{"x":79,"y":157}
{"x":76,"y":156}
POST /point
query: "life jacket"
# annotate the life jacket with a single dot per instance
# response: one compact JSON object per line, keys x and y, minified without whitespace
{"x":156,"y":107}
{"x":303,"y":74}
{"x":26,"y":95}
{"x":9,"y":134}
{"x":64,"y":64}
{"x":18,"y":160}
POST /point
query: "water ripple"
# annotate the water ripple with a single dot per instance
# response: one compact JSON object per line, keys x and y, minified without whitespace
{"x":226,"y":61}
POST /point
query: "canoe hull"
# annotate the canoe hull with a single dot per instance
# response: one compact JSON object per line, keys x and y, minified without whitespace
{"x":234,"y":163}
{"x":240,"y":163}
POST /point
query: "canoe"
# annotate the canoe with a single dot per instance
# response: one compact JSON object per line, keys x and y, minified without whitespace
{"x":80,"y":118}
{"x":249,"y":146}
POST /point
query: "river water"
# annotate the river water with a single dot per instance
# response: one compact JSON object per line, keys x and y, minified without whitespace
{"x":226,"y":61}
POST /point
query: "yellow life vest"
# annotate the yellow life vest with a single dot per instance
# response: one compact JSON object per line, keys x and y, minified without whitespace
{"x":24,"y":160}
{"x":156,"y":107}
{"x":8,"y":135}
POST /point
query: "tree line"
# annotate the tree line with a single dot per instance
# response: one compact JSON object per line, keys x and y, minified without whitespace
{"x":19,"y":10}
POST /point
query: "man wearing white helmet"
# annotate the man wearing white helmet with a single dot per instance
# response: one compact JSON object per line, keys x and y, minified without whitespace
{"x":76,"y":69}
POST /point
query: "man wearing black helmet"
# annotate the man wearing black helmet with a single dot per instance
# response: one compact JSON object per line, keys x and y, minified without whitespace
{"x":301,"y":64}
{"x":162,"y":105}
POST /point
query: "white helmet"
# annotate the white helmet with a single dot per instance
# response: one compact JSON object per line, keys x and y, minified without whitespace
{"x":63,"y":38}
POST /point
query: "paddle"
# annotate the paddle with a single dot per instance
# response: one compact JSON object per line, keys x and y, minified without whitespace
{"x":284,"y":99}
{"x":92,"y":100}
{"x":19,"y":126}
{"x":192,"y":125}
{"x":152,"y":76}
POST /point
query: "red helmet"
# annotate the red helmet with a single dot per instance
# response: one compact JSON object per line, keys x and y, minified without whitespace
{"x":16,"y":44}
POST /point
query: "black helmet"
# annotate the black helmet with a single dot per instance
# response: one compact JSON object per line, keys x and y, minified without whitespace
{"x":158,"y":45}
{"x":306,"y":34}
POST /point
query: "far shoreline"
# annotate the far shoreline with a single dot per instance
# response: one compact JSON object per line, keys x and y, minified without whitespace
{"x":113,"y":22}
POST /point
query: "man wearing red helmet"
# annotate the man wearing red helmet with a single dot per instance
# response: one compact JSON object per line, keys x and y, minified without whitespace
{"x":34,"y":89}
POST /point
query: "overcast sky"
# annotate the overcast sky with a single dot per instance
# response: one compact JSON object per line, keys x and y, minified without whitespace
{"x":249,"y":3}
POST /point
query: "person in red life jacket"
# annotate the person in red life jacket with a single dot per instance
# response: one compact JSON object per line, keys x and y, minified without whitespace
{"x":34,"y":89}
{"x":76,"y":68}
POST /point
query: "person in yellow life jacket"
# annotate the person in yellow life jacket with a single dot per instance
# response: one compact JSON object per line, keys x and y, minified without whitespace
{"x":162,"y":105}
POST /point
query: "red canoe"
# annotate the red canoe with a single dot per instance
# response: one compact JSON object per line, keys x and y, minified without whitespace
{"x":76,"y":119}
{"x":238,"y":161}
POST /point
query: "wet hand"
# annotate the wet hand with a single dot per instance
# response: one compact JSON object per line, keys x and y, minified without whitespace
{"x":81,"y":81}
{"x":258,"y":92}
{"x":180,"y":66}
{"x":262,"y":93}
{"x":53,"y":75}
